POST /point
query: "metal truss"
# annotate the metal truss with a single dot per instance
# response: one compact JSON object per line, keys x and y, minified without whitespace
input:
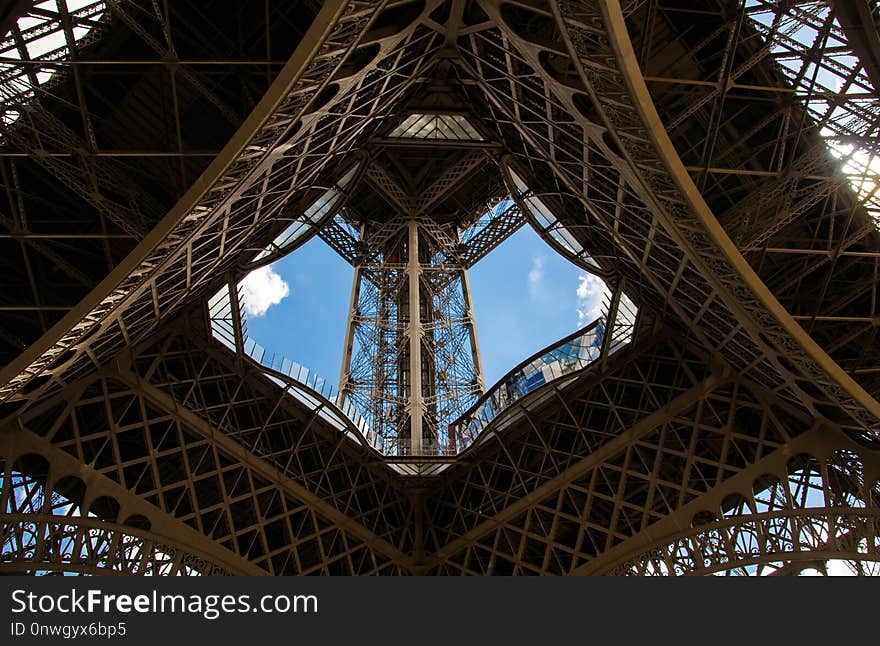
{"x":805,"y":512}
{"x":714,"y":162}
{"x":283,"y":145}
{"x":411,"y":362}
{"x":644,"y":198}
{"x":53,"y":526}
{"x":87,"y":170}
{"x":806,"y":168}
{"x":56,"y":518}
{"x":342,"y":237}
{"x":198,"y":455}
{"x":621,"y":456}
{"x":500,"y":218}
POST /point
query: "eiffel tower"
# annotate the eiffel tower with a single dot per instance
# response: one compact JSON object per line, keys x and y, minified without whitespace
{"x":713,"y":162}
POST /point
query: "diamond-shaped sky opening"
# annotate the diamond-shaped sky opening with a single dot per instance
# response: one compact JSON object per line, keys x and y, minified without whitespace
{"x":545,"y":277}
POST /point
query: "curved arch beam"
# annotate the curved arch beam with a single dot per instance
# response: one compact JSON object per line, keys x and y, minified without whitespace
{"x":760,"y":540}
{"x":163,"y":527}
{"x":620,"y":42}
{"x":770,"y":491}
{"x":544,"y":233}
{"x":126,"y":280}
{"x":93,"y":546}
{"x":214,"y":217}
{"x":735,"y":313}
{"x":340,"y":196}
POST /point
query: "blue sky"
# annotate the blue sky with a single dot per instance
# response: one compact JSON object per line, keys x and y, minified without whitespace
{"x":525,"y":296}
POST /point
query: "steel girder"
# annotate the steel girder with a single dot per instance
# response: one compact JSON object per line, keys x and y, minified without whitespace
{"x":59,"y":515}
{"x":573,"y":495}
{"x":645,"y":204}
{"x":794,"y":187}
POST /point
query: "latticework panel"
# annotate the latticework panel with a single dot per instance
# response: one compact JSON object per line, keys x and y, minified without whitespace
{"x":284,"y":503}
{"x":51,"y":527}
{"x":773,"y":110}
{"x":813,"y":513}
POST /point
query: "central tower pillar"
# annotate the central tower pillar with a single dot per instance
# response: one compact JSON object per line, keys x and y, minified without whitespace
{"x":411,"y":364}
{"x":414,"y":332}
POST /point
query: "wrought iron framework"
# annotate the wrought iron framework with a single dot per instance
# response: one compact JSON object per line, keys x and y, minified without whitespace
{"x":715,"y":162}
{"x":411,"y":362}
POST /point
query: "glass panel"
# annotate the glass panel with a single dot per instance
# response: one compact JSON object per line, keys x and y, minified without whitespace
{"x":454,"y":127}
{"x":315,"y":212}
{"x":548,"y":223}
{"x":564,"y":358}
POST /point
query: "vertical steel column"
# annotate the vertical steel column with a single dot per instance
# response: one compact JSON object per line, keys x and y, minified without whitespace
{"x":348,"y":344}
{"x":380,"y":377}
{"x":610,"y":322}
{"x":471,"y":324}
{"x":405,"y":365}
{"x":235,"y":312}
{"x":414,"y":331}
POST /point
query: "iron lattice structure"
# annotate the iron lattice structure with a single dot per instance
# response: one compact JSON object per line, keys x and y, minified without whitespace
{"x":411,"y":312}
{"x":713,"y":161}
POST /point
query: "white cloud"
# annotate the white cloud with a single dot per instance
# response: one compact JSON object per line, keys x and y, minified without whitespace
{"x":590,"y":292}
{"x":536,"y":275}
{"x":838,"y":567}
{"x":261,"y":289}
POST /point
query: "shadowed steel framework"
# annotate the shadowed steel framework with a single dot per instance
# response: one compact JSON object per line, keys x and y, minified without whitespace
{"x":714,"y":162}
